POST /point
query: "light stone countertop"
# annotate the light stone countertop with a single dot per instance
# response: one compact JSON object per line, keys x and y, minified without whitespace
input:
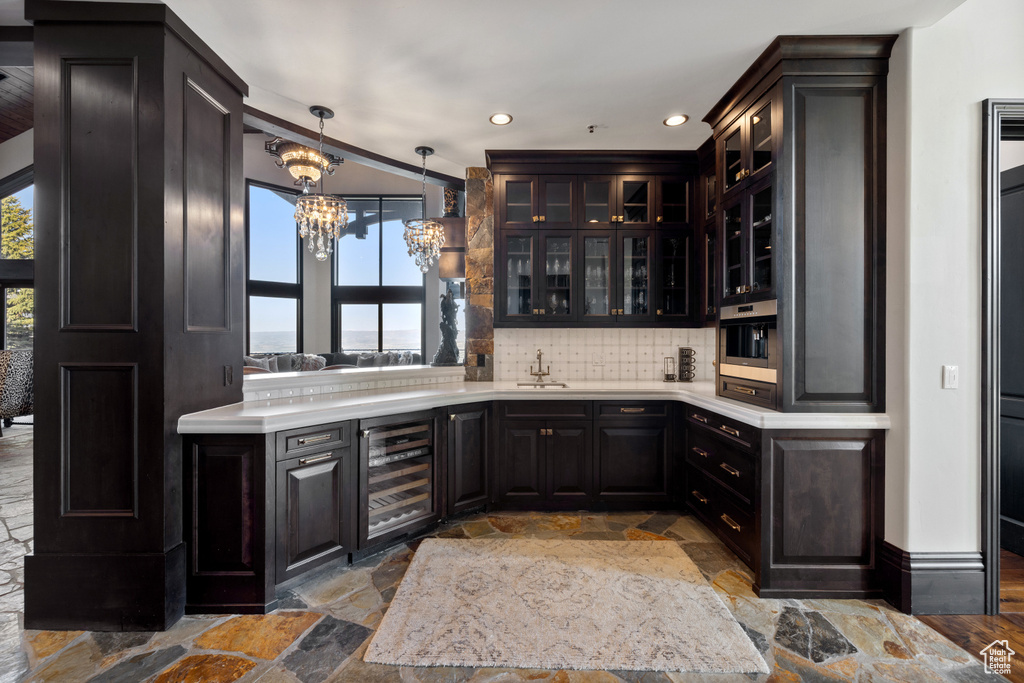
{"x":263,"y":417}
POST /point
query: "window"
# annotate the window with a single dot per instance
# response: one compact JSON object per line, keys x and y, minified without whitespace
{"x":17,"y":259}
{"x":274,"y":280}
{"x":378,"y":293}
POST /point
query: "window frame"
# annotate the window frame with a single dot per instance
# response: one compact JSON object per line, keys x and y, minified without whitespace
{"x":378,"y":294}
{"x":17,"y":273}
{"x":270,"y":288}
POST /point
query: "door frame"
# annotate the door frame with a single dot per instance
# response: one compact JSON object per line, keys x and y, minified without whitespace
{"x":996,"y":114}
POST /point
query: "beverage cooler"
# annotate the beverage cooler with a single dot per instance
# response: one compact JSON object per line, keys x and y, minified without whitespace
{"x":399,"y":458}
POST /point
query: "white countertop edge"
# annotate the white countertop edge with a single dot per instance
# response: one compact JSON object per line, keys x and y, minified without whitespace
{"x":263,"y":382}
{"x":264,"y":417}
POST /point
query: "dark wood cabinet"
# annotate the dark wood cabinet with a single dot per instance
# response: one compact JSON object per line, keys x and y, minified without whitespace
{"x":315,"y":510}
{"x":567,"y":455}
{"x":630,"y":238}
{"x":544,"y":464}
{"x":800,"y":149}
{"x":521,"y":463}
{"x":632,"y":449}
{"x":803,"y":508}
{"x":469,"y":457}
{"x":706,"y":234}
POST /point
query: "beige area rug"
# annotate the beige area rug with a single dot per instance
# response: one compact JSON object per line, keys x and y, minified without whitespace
{"x":554,"y":604}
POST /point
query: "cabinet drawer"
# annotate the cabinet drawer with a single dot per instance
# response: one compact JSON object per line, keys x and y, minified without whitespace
{"x":607,"y":409}
{"x":700,"y":493}
{"x":735,"y":526}
{"x":757,"y":393}
{"x":724,"y":463}
{"x":739,"y":433}
{"x":546,"y":409}
{"x":296,"y":441}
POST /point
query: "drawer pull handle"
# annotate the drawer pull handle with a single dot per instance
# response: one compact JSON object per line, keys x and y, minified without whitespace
{"x":728,"y":468}
{"x":700,"y":451}
{"x":697,"y":494}
{"x":631,"y":410}
{"x":699,"y":418}
{"x":319,"y":458}
{"x":746,"y":390}
{"x":729,"y":430}
{"x":307,"y":440}
{"x":728,"y":520}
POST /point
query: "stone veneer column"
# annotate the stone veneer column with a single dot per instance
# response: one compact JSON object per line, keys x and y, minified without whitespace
{"x":479,"y":276}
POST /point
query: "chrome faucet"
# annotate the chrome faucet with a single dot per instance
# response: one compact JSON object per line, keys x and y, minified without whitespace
{"x":540,"y":374}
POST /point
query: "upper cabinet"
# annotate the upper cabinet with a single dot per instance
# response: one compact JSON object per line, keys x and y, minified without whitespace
{"x":746,"y":150}
{"x":531,"y":201}
{"x":580,"y":243}
{"x":800,"y":170}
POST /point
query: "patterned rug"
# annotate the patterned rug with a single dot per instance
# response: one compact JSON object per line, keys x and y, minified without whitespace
{"x":560,"y":604}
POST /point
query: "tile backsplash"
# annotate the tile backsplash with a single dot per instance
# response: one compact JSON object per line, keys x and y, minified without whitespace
{"x":627,"y":353}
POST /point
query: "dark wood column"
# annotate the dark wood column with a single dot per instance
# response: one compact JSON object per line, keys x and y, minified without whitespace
{"x":139,"y":257}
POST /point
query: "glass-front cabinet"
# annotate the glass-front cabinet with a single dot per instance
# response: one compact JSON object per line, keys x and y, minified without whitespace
{"x":555,"y":298}
{"x":537,"y":201}
{"x":746,"y":150}
{"x":517,"y":249}
{"x":538,"y":275}
{"x":597,"y":249}
{"x":617,"y":202}
{"x":748,"y":255}
{"x":673,"y":286}
{"x":636,"y":258}
{"x":597,"y":293}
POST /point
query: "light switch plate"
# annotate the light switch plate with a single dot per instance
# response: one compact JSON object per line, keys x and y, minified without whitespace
{"x":950,"y":376}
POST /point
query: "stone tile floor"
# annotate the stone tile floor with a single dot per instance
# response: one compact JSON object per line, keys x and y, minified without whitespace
{"x":324,"y":623}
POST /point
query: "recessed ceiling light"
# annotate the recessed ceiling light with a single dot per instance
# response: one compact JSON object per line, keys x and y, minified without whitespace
{"x":676,"y":120}
{"x":501,"y":119}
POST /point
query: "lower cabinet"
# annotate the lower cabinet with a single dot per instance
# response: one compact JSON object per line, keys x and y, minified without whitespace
{"x":469,"y":449}
{"x":315,"y":510}
{"x":610,"y":454}
{"x":544,"y":464}
{"x":632,"y":453}
{"x":803,"y":508}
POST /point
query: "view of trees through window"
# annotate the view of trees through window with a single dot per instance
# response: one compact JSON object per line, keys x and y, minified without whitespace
{"x":17,"y":243}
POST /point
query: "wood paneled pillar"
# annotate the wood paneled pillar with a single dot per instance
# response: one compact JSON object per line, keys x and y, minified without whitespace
{"x":479,"y":275}
{"x":139,"y":256}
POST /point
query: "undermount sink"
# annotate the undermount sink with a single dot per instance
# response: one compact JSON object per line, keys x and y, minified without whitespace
{"x":542,"y":385}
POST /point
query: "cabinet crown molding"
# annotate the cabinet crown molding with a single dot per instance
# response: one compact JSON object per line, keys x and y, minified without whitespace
{"x":867,"y":54}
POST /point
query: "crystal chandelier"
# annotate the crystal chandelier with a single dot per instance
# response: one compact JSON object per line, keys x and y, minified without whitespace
{"x":424,"y":236}
{"x":320,"y":217}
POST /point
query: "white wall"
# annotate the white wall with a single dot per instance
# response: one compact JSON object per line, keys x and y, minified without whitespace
{"x":16,"y":153}
{"x":349,"y":179}
{"x":934,"y":190}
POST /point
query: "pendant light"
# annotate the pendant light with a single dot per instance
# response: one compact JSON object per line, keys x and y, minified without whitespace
{"x":424,"y":236}
{"x":320,"y":217}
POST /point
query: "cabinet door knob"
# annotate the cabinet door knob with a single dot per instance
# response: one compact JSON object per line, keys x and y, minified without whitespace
{"x":366,"y":433}
{"x":542,"y":219}
{"x":536,"y":219}
{"x":661,"y":218}
{"x":451,"y":418}
{"x":659,"y":311}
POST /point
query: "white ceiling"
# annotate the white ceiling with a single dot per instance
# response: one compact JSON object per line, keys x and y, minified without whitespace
{"x":401,"y":73}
